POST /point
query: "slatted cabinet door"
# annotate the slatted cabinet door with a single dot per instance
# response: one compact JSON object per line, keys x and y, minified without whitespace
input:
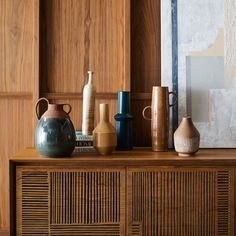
{"x":181,"y":201}
{"x":70,"y":202}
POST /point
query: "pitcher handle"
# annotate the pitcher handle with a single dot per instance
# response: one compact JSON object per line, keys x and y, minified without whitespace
{"x":144,"y":116}
{"x":176,"y":99}
{"x":70,"y":108}
{"x":36,"y":106}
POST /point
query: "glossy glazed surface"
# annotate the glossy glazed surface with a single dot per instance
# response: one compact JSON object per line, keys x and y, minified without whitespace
{"x":124,"y":122}
{"x":55,"y":137}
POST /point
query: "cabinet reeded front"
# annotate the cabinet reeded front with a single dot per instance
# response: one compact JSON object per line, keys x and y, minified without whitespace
{"x":70,"y":202}
{"x":180,"y":201}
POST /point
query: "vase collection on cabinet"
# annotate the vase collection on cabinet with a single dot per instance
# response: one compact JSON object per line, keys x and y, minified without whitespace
{"x":55,"y":133}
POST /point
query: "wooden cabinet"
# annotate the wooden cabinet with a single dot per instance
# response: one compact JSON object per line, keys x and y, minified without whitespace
{"x":129,"y":193}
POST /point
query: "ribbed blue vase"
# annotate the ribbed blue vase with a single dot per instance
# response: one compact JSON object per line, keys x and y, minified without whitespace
{"x":124,"y":122}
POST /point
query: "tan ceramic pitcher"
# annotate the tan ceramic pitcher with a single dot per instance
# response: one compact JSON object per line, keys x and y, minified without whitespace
{"x":160,"y":117}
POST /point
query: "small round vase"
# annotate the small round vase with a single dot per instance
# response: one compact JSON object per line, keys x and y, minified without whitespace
{"x":104,"y":135}
{"x":186,"y":138}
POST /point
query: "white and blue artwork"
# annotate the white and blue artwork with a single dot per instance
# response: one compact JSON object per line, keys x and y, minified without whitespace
{"x":199,"y":63}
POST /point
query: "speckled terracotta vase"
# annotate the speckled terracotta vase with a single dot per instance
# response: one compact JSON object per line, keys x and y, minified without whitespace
{"x":104,"y":135}
{"x":186,"y":138}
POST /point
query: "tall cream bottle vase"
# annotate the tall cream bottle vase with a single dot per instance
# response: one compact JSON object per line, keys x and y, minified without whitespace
{"x":89,"y":93}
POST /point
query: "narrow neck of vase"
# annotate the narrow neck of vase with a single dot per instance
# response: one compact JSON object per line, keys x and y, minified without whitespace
{"x":124,"y":102}
{"x":90,"y":77}
{"x":55,"y":107}
{"x":104,"y":112}
{"x":187,"y":119}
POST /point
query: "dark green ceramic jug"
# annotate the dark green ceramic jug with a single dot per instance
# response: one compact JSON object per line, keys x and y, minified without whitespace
{"x":55,"y":133}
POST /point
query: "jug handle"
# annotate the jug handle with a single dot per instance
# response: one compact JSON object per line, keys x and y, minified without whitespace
{"x":144,"y":116}
{"x":36,"y":106}
{"x":176,"y":99}
{"x":70,"y":108}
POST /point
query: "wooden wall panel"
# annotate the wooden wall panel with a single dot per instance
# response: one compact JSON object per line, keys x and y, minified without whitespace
{"x":142,"y":130}
{"x":145,"y":62}
{"x":18,"y":85}
{"x":179,"y":201}
{"x":145,"y":45}
{"x":16,"y":133}
{"x":77,"y":36}
{"x":16,"y":45}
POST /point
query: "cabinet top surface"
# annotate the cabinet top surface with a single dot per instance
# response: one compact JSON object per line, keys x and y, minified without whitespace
{"x":138,"y":156}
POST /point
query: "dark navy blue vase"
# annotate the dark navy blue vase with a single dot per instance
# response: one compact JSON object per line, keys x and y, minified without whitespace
{"x":124,"y":122}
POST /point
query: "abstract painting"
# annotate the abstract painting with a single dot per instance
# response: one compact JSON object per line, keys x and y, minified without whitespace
{"x":199,"y":63}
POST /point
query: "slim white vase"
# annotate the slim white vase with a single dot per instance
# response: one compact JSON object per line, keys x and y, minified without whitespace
{"x":88,"y":106}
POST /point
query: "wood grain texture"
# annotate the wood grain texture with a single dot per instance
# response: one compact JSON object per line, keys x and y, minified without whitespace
{"x":33,"y":196}
{"x":183,"y":201}
{"x":138,"y":192}
{"x":138,"y":156}
{"x":36,"y":76}
{"x":145,"y":61}
{"x":78,"y":36}
{"x":145,"y":45}
{"x":17,"y":45}
{"x":16,"y":133}
{"x":4,"y":232}
{"x":18,"y":82}
{"x":142,"y":128}
{"x":70,"y":201}
{"x":85,"y":230}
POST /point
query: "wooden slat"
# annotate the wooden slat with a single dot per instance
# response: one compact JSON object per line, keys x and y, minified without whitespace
{"x":134,"y":96}
{"x":16,"y":95}
{"x":91,"y":202}
{"x":72,"y":96}
{"x":50,"y":196}
{"x":32,"y":202}
{"x":201,"y":203}
{"x":85,"y":230}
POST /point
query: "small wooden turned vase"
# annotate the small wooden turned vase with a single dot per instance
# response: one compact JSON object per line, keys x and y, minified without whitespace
{"x":186,"y":138}
{"x":104,"y":135}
